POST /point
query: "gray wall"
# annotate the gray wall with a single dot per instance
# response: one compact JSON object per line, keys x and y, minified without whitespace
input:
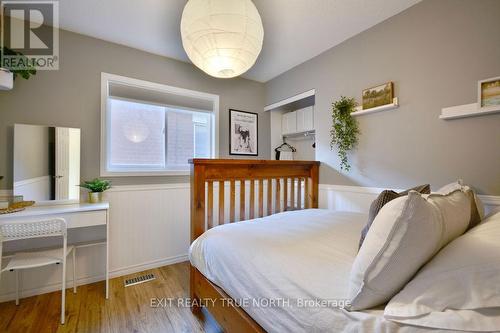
{"x":70,"y":97}
{"x":435,"y":52}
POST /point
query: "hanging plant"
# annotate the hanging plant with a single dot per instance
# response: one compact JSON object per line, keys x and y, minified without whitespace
{"x":344,"y":132}
{"x":24,"y":73}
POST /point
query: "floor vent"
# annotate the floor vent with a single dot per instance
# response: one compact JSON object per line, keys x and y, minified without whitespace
{"x":139,"y":279}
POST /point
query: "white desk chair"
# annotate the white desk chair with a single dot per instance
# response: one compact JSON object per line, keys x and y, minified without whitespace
{"x":24,"y":260}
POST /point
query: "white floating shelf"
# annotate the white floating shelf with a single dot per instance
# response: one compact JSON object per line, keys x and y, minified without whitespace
{"x":359,"y":110}
{"x":299,"y":134}
{"x":466,"y":110}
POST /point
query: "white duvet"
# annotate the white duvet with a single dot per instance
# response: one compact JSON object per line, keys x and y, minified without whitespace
{"x":290,"y":271}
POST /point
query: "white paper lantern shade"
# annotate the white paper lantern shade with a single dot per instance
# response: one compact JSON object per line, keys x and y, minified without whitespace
{"x":222,"y":37}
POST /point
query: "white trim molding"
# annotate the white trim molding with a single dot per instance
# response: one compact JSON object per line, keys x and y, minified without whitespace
{"x":148,"y":265}
{"x":490,"y":200}
{"x":150,"y":187}
{"x":107,"y":79}
{"x":32,"y":180}
{"x":289,"y":100}
{"x":5,"y":192}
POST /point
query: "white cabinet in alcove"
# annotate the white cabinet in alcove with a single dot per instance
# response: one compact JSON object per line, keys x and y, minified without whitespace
{"x":298,"y":121}
{"x":289,"y":123}
{"x":305,"y":121}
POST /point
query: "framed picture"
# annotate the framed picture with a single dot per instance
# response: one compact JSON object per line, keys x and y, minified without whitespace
{"x":488,"y":93}
{"x":243,"y":133}
{"x":377,"y":96}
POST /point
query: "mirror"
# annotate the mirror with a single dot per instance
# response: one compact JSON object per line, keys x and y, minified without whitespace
{"x":46,"y":162}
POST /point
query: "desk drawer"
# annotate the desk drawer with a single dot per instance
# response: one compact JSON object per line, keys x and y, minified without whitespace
{"x":74,"y":220}
{"x":85,"y":219}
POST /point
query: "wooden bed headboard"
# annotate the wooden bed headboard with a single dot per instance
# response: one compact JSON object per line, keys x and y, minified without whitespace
{"x":275,"y":185}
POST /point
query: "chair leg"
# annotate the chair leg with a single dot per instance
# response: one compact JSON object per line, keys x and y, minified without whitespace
{"x":17,"y":287}
{"x":74,"y":270}
{"x":63,"y":292}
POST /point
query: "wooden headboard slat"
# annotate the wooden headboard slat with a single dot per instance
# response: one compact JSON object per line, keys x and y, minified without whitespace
{"x":206,"y":171}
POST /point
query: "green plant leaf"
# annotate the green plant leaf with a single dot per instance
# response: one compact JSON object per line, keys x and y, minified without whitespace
{"x":345,"y":130}
{"x":24,"y":73}
{"x":96,"y":185}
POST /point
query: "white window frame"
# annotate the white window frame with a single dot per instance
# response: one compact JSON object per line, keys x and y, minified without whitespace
{"x":107,"y":79}
{"x":195,"y":123}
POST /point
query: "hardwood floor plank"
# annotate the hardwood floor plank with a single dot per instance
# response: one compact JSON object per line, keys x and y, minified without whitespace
{"x":128,"y":309}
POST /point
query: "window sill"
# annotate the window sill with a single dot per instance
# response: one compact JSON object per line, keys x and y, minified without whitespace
{"x":144,"y":173}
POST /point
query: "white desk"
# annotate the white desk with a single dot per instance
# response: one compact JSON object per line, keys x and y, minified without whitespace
{"x":76,"y":216}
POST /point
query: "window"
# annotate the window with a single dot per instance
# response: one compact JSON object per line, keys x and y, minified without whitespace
{"x":152,"y":131}
{"x":201,"y":130}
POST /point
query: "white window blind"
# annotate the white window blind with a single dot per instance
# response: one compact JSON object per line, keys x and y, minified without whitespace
{"x":145,"y":134}
{"x":147,"y":137}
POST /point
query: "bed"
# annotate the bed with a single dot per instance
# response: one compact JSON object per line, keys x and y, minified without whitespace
{"x":285,"y":266}
{"x":271,"y":187}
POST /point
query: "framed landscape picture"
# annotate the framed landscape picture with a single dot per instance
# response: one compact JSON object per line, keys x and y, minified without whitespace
{"x":489,"y":93}
{"x":243,"y":133}
{"x":378,"y":96}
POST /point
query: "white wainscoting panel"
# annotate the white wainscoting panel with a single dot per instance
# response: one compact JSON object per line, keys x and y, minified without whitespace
{"x":347,"y":198}
{"x":5,"y":192}
{"x":150,"y":226}
{"x":37,"y":189}
{"x":358,"y":198}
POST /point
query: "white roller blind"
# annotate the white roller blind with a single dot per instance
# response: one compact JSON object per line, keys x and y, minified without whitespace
{"x":159,"y":97}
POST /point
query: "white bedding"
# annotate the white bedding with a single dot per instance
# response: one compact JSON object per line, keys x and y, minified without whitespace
{"x":290,"y":258}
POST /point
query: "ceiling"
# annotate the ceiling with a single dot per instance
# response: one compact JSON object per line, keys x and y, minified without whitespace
{"x":295,"y":30}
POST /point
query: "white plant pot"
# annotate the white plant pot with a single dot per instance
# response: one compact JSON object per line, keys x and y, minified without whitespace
{"x":6,"y":79}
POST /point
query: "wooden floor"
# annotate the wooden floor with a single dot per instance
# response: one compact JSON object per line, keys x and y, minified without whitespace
{"x":127,"y":310}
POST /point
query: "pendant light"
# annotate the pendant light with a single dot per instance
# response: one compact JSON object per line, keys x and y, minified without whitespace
{"x":222,"y":37}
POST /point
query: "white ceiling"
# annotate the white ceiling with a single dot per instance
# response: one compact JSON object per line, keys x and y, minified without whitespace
{"x":295,"y":30}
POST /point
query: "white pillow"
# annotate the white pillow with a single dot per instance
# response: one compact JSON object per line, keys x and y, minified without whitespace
{"x":459,"y":288}
{"x":459,"y":185}
{"x":406,"y":233}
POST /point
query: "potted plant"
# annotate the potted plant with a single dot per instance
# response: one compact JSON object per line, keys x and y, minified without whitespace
{"x":345,"y":130}
{"x":8,"y":75}
{"x":96,"y":187}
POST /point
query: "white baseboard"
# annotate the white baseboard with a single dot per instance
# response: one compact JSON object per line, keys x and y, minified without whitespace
{"x":92,"y":279}
{"x":49,"y":288}
{"x":148,"y":265}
